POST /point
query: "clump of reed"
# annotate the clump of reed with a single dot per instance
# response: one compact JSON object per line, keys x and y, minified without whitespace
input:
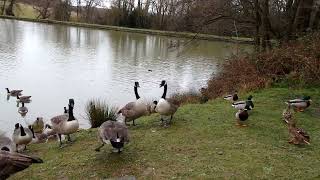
{"x":98,"y":111}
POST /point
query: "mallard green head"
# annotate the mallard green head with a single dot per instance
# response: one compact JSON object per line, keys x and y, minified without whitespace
{"x":306,"y":98}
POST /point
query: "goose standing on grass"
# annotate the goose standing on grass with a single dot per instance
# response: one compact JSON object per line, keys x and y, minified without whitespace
{"x":298,"y":136}
{"x":166,"y":106}
{"x":300,"y":104}
{"x":65,"y":124}
{"x":11,"y":163}
{"x":6,"y":144}
{"x":23,"y":110}
{"x":242,"y":104}
{"x":232,"y":97}
{"x":38,"y":125}
{"x":25,"y":99}
{"x":241,"y":116}
{"x":113,"y":132}
{"x":38,"y":137}
{"x":134,"y":110}
{"x":14,"y":92}
{"x":21,"y":136}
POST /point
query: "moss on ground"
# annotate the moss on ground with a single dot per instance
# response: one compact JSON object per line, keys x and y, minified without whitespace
{"x":203,"y":142}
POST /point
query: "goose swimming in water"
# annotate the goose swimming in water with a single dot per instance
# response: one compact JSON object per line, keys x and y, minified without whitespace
{"x":113,"y":132}
{"x":14,"y":92}
{"x":25,"y":99}
{"x":65,"y":124}
{"x":23,"y":110}
{"x":134,"y":110}
{"x":166,"y":106}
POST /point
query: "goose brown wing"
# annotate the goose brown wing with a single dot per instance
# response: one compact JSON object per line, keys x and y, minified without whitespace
{"x":122,"y":131}
{"x":58,"y":119}
{"x":11,"y":163}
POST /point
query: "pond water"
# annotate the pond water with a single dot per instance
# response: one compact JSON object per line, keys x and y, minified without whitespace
{"x":53,"y":63}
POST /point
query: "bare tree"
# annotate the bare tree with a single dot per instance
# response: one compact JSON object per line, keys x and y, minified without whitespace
{"x":43,"y":8}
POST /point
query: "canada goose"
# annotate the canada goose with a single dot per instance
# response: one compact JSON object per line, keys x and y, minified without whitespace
{"x":38,"y":125}
{"x":232,"y":97}
{"x":21,"y":136}
{"x":113,"y":132}
{"x":241,"y":116}
{"x":38,"y":137}
{"x":23,"y":110}
{"x":65,"y":124}
{"x":134,"y":110}
{"x":300,"y":104}
{"x":242,"y":104}
{"x":25,"y":99}
{"x":6,"y":144}
{"x":49,"y":131}
{"x":11,"y":163}
{"x":166,"y":106}
{"x":13,"y":92}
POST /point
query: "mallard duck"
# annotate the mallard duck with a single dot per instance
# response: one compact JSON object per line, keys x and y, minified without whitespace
{"x":166,"y":106}
{"x":242,"y":104}
{"x":11,"y":163}
{"x":241,"y":116}
{"x":21,"y":136}
{"x":25,"y":99}
{"x":232,"y":97}
{"x":298,"y":136}
{"x":23,"y":110}
{"x":113,"y":132}
{"x":65,"y":124}
{"x":300,"y":104}
{"x":38,"y":125}
{"x":287,"y":114}
{"x":13,"y":92}
{"x":134,"y":110}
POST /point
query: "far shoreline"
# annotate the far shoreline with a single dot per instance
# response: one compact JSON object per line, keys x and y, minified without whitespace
{"x":187,"y":35}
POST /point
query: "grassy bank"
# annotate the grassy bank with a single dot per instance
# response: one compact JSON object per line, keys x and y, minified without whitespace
{"x":203,"y":142}
{"x":135,"y":30}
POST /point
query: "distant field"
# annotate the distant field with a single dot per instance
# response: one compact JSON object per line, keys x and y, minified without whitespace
{"x":202,"y":143}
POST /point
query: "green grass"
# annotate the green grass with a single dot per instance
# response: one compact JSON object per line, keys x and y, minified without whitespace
{"x":203,"y":142}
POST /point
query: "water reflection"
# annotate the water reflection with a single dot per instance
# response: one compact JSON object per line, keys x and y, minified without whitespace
{"x":54,"y":63}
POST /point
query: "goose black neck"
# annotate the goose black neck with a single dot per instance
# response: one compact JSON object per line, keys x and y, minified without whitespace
{"x":23,"y":133}
{"x":8,"y":90}
{"x":22,"y":104}
{"x":136,"y":92}
{"x":165,"y":87}
{"x":32,"y":133}
{"x":18,"y":97}
{"x":71,"y":117}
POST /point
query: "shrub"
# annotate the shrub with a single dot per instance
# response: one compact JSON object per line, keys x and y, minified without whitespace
{"x":293,"y":64}
{"x":99,"y":111}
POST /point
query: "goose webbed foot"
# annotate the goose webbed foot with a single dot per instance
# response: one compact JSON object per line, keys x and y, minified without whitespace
{"x":69,"y":139}
{"x":98,"y":148}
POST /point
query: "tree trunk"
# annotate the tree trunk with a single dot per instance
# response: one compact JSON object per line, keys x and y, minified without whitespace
{"x":302,"y":19}
{"x":257,"y":24}
{"x":314,"y":13}
{"x":9,"y":10}
{"x":265,"y":25}
{"x":3,"y":7}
